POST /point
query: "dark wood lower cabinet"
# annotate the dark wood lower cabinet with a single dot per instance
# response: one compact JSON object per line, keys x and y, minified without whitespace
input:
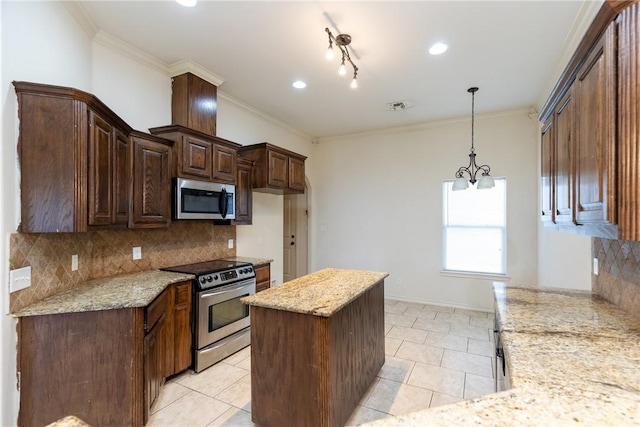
{"x":105,"y":367}
{"x":263,"y":277}
{"x":310,"y":370}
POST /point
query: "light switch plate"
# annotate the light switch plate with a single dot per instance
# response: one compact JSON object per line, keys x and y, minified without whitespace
{"x":230,"y":243}
{"x":74,"y":262}
{"x":19,"y":278}
{"x":595,"y":266}
{"x":137,"y":252}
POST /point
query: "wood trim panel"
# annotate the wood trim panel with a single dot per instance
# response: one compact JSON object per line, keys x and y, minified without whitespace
{"x":312,"y":371}
{"x":629,"y":122}
{"x":83,"y":364}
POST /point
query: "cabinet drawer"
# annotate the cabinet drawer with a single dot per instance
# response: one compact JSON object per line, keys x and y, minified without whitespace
{"x":154,"y":311}
{"x":263,"y":274}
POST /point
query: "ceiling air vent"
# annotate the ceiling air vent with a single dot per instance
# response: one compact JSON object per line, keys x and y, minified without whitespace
{"x":395,"y":106}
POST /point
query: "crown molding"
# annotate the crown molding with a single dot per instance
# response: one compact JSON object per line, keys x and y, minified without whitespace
{"x":586,"y":14}
{"x":416,"y":127}
{"x":188,"y":66}
{"x":82,"y":18}
{"x":261,"y":114}
{"x":131,"y":52}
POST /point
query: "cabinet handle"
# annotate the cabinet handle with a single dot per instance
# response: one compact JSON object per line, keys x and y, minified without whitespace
{"x":223,"y":204}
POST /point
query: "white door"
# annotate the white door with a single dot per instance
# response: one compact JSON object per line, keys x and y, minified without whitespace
{"x":294,"y":241}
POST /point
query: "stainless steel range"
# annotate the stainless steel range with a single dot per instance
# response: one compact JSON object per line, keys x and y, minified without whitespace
{"x":220,"y":322}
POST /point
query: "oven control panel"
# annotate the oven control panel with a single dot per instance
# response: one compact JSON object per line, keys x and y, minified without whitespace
{"x":220,"y":278}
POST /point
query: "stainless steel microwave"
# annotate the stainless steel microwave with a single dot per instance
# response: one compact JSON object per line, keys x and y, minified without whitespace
{"x":193,"y":199}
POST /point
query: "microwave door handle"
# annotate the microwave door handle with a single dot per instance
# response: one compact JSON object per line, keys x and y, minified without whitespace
{"x":223,"y":203}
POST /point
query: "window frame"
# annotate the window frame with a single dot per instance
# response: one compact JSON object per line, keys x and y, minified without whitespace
{"x":446,"y":189}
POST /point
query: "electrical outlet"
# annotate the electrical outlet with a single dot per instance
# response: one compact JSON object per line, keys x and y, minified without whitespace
{"x":19,"y":279}
{"x":230,"y":242}
{"x":137,"y":252}
{"x":595,"y":266}
{"x":398,"y":281}
{"x":74,"y":262}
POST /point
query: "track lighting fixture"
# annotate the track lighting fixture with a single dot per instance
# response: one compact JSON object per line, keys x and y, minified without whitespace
{"x":342,"y":41}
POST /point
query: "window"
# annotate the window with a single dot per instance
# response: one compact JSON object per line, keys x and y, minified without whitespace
{"x":474,"y":228}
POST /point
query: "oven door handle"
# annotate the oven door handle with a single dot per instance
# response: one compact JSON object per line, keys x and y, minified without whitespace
{"x":219,"y":291}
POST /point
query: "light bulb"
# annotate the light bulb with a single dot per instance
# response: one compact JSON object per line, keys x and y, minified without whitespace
{"x":343,"y":70}
{"x":354,"y":83}
{"x":329,"y":54}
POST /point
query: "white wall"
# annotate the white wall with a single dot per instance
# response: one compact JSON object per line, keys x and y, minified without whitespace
{"x":41,"y":42}
{"x":263,"y":238}
{"x":379,"y":196}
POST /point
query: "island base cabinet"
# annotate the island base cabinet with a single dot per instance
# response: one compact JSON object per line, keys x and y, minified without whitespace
{"x":84,"y":364}
{"x":309,"y":370}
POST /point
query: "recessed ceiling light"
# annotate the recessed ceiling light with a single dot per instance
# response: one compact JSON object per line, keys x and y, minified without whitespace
{"x":187,"y":3}
{"x":299,"y":84}
{"x":438,"y":48}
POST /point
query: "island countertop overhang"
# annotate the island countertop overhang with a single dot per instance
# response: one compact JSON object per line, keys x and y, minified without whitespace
{"x":322,"y":293}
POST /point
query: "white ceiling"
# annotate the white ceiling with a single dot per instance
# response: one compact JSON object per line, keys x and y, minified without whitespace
{"x":509,"y":49}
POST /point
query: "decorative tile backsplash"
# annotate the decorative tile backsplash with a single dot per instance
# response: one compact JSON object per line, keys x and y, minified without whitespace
{"x":618,"y":279}
{"x":109,"y":253}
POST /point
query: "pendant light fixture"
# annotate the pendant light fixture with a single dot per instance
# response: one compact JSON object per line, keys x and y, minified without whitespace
{"x":486,"y":181}
{"x":342,"y":41}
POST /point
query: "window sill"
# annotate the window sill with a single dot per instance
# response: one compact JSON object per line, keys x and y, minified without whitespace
{"x":481,"y":276}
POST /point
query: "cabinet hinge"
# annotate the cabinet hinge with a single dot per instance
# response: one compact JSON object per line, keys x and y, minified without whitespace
{"x":18,"y":380}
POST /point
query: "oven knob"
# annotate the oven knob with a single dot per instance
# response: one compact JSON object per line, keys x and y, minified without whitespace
{"x":209,"y":279}
{"x":203,"y":280}
{"x":215,"y":277}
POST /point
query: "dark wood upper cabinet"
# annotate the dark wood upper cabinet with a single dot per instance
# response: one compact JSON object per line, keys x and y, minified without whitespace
{"x":591,"y":130}
{"x":200,"y":156}
{"x":194,"y":103}
{"x":244,"y":192}
{"x":628,"y":103}
{"x":595,"y":140}
{"x":563,"y":176}
{"x":276,"y":170}
{"x":71,"y":161}
{"x":547,"y":171}
{"x":151,"y":183}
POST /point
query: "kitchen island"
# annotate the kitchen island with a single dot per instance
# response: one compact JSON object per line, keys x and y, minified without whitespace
{"x":317,"y":343}
{"x":573,"y":358}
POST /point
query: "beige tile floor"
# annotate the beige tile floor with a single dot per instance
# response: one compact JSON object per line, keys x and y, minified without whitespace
{"x":434,"y":356}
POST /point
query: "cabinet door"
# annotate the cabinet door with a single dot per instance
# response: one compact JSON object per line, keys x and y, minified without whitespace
{"x":100,"y":192}
{"x":278,"y":171}
{"x":244,"y":194}
{"x":546,"y":171}
{"x":151,"y":188}
{"x":154,"y":364}
{"x":296,"y":174}
{"x":224,"y":164}
{"x":564,"y":122}
{"x":197,"y":157}
{"x":182,"y":327}
{"x":594,"y":91}
{"x":121,"y":179}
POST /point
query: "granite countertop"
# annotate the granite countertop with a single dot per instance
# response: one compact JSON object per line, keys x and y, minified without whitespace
{"x":126,"y":291}
{"x":257,"y":262}
{"x":573,"y":358}
{"x":322,"y":293}
{"x":69,"y":421}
